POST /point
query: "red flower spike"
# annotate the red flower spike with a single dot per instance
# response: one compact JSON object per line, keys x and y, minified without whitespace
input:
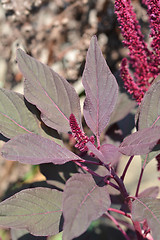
{"x":129,"y":83}
{"x":78,"y":135}
{"x":144,"y":61}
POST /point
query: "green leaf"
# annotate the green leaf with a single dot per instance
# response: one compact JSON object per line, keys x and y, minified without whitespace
{"x":37,"y":210}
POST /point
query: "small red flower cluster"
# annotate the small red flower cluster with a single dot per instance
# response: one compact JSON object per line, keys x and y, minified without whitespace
{"x":79,"y":136}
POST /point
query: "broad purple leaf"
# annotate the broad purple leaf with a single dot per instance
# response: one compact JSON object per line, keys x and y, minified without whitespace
{"x":96,"y":152}
{"x":111,"y":153}
{"x":101,"y":89}
{"x":83,"y":201}
{"x":15,"y":117}
{"x":148,"y":209}
{"x":37,"y":210}
{"x":150,"y":192}
{"x":52,"y":94}
{"x":107,"y":153}
{"x":34,"y":149}
{"x":141,"y":142}
{"x":149,"y":113}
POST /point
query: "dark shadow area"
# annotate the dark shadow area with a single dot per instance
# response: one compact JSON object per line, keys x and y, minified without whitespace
{"x":102,"y":232}
{"x":3,"y":138}
{"x":57,"y":175}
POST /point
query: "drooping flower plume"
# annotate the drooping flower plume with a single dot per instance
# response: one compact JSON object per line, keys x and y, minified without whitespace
{"x":145,"y":62}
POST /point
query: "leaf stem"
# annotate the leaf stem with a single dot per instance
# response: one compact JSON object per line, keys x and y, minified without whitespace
{"x":118,"y":181}
{"x":138,"y":230}
{"x":120,"y":212}
{"x":86,"y":168}
{"x":89,"y":162}
{"x":117,"y":224}
{"x":95,"y":174}
{"x":140,"y":177}
{"x":126,"y":167}
{"x":111,"y":184}
{"x":126,"y":196}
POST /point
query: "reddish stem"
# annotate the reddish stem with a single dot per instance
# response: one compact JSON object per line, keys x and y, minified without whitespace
{"x":126,"y":197}
{"x":89,"y":162}
{"x":138,"y":230}
{"x":118,"y":226}
{"x":95,"y":174}
{"x":140,"y":177}
{"x":120,"y":212}
{"x":126,"y":168}
{"x":86,"y":168}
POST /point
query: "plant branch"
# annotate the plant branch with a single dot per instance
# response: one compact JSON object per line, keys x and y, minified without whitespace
{"x":120,"y":212}
{"x":89,"y":162}
{"x":86,"y":168}
{"x":118,"y":181}
{"x":95,"y":174}
{"x":111,"y":184}
{"x":126,"y":168}
{"x":140,"y":177}
{"x":118,"y":226}
{"x":126,"y":196}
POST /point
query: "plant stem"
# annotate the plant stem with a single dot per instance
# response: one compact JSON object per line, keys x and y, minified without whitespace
{"x":95,"y":174}
{"x":111,"y":184}
{"x":126,"y":168}
{"x":140,"y":177}
{"x":89,"y":162}
{"x":118,"y":181}
{"x":86,"y":168}
{"x":138,"y":230}
{"x":126,"y":195}
{"x":120,"y":212}
{"x":118,"y":226}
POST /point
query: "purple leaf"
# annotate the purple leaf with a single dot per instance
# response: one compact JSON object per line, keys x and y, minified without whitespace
{"x":83,"y":201}
{"x":148,"y":113}
{"x":34,"y":149}
{"x":52,"y":94}
{"x":107,"y":153}
{"x":15,"y":117}
{"x":141,"y":142}
{"x":111,"y":153}
{"x":37,"y":210}
{"x":150,"y":192}
{"x":101,"y":89}
{"x":96,"y":152}
{"x":149,"y":109}
{"x":148,"y":209}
